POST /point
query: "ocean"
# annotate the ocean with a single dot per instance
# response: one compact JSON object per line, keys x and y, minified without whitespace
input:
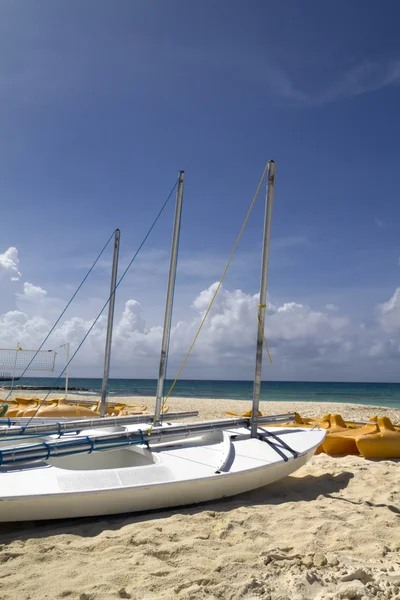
{"x":379,"y":394}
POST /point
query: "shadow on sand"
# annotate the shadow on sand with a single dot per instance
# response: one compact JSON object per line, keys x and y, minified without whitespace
{"x":289,"y":489}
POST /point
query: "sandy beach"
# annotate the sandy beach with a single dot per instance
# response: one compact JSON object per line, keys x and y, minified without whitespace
{"x":329,"y":531}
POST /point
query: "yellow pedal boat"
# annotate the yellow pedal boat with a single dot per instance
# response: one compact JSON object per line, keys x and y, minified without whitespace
{"x":378,"y":439}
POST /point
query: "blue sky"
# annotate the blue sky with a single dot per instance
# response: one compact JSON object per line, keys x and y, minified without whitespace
{"x":102,"y":103}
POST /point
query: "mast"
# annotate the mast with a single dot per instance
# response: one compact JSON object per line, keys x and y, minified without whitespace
{"x":107,"y":355}
{"x":263,"y":296}
{"x":170,"y":295}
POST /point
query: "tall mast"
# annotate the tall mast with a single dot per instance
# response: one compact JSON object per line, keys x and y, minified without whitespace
{"x":170,"y":294}
{"x":107,"y":355}
{"x":263,"y":296}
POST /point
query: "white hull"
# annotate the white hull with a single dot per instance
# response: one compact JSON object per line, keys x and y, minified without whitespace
{"x":135,"y":479}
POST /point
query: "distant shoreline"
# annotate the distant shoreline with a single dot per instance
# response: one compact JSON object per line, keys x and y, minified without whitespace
{"x":380,"y":394}
{"x":230,"y":381}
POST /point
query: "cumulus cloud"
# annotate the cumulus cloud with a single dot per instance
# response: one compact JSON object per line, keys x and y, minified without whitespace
{"x":32,"y":293}
{"x":302,"y":340}
{"x":227,"y":338}
{"x":9,"y":262}
{"x":305,"y":342}
{"x":15,"y":325}
{"x":132,"y":319}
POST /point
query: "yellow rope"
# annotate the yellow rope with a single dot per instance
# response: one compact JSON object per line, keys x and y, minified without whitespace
{"x":213,"y":298}
{"x":265,"y":341}
{"x":262,"y":333}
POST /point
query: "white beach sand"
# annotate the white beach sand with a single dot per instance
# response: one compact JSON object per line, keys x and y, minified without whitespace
{"x":331,"y":530}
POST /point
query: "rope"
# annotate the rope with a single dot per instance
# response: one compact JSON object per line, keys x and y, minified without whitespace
{"x":142,"y":440}
{"x":63,"y":312}
{"x":45,"y":444}
{"x":91,"y":442}
{"x":108,"y":300}
{"x":264,"y":306}
{"x":213,"y":298}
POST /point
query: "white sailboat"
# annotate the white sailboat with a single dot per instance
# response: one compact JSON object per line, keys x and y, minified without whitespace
{"x":119,"y":465}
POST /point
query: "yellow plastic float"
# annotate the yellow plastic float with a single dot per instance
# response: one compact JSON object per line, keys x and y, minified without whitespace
{"x":343,"y":440}
{"x":384,"y":444}
{"x":18,"y":406}
{"x":59,"y":407}
{"x":378,"y":439}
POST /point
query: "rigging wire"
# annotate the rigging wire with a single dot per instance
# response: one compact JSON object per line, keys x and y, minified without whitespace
{"x":63,"y":312}
{"x":213,"y":298}
{"x":106,"y":303}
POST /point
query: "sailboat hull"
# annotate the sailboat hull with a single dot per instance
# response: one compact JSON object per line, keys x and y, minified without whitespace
{"x":136,"y":479}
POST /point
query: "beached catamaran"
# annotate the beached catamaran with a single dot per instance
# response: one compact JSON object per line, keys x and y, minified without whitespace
{"x":60,"y":469}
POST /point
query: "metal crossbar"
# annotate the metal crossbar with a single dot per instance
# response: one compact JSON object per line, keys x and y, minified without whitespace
{"x":91,"y":443}
{"x":40,"y":426}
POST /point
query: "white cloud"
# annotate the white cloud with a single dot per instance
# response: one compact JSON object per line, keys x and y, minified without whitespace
{"x":357,"y":80}
{"x":363,"y":78}
{"x":9,"y":262}
{"x":389,"y":313}
{"x":305,"y":343}
{"x":131,"y":320}
{"x":32,"y":293}
{"x":331,"y":307}
{"x":16,"y":326}
{"x":293,"y":321}
{"x":226,"y":342}
{"x":292,"y":241}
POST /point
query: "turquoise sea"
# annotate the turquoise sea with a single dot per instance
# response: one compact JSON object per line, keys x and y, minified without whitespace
{"x":379,"y":394}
